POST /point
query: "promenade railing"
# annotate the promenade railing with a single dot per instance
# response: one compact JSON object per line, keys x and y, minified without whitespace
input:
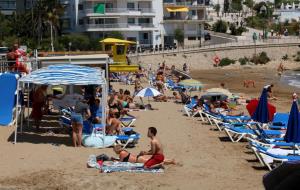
{"x":208,"y":45}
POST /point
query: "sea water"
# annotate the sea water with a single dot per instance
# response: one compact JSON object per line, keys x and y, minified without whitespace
{"x":292,"y":78}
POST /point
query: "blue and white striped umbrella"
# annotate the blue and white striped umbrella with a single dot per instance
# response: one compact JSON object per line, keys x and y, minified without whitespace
{"x":148,"y":92}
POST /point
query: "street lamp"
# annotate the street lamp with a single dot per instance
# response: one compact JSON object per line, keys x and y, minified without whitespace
{"x":70,"y":44}
{"x":51,"y":35}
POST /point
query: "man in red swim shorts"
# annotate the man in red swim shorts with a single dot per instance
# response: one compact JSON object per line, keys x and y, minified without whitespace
{"x":156,"y":150}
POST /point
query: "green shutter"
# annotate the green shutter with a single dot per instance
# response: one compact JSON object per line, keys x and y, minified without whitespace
{"x":99,"y":8}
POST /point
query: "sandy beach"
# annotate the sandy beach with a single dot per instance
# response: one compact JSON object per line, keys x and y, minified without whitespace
{"x":208,"y":160}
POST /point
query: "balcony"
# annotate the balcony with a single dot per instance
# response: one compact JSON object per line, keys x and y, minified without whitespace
{"x":118,"y":27}
{"x":186,"y":19}
{"x":121,"y":11}
{"x":64,"y":2}
{"x":199,"y":3}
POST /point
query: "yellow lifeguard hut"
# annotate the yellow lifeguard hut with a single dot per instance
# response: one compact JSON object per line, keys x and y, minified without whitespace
{"x":119,"y":48}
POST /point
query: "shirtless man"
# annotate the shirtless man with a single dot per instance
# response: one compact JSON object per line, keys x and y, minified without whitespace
{"x":156,"y":150}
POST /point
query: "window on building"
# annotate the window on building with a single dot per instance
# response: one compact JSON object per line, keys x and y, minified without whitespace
{"x":191,"y":38}
{"x":145,"y":36}
{"x":130,"y":6}
{"x":144,"y":21}
{"x":130,"y":20}
{"x":120,"y":49}
{"x":193,"y":12}
{"x":109,"y":5}
{"x":80,"y":7}
{"x":99,"y":21}
{"x":80,"y":22}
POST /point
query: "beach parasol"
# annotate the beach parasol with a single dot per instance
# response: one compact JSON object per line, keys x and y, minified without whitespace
{"x":293,"y":127}
{"x":260,"y":110}
{"x":191,"y":84}
{"x":222,"y":91}
{"x":148,"y":92}
{"x":214,"y":96}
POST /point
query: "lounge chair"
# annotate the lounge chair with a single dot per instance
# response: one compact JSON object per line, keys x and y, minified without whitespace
{"x":237,"y":131}
{"x":188,"y":108}
{"x":280,"y":121}
{"x":8,"y":82}
{"x":267,"y":158}
{"x":172,"y":86}
{"x":127,"y":121}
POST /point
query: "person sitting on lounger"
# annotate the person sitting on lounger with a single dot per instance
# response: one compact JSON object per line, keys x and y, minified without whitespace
{"x":156,"y":150}
{"x":113,"y":126}
{"x":176,"y":97}
{"x":125,"y":156}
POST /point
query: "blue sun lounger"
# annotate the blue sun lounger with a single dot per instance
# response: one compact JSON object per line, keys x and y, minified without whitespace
{"x":8,"y":82}
{"x":280,"y":121}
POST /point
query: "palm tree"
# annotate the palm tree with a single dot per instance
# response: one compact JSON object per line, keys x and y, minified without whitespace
{"x":43,"y":14}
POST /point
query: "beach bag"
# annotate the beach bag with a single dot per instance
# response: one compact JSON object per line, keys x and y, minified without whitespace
{"x":102,"y":157}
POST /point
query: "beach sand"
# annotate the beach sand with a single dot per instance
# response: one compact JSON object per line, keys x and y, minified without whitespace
{"x":208,"y":159}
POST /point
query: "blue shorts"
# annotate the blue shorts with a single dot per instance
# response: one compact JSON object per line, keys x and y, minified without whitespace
{"x":77,"y":118}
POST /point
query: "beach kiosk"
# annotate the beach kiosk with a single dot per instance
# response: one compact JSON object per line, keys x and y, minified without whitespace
{"x":119,"y":48}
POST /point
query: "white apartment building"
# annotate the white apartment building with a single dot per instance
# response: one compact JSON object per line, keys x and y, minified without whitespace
{"x":186,"y":15}
{"x":137,"y":20}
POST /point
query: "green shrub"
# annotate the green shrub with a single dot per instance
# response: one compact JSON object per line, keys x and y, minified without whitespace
{"x":285,"y":57}
{"x":220,"y":26}
{"x":262,"y":58}
{"x":243,"y":60}
{"x":226,"y":61}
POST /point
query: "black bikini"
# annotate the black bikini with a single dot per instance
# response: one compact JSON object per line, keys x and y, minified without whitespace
{"x":126,"y":159}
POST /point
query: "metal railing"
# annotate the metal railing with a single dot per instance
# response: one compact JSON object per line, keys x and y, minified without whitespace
{"x":118,"y":25}
{"x":208,"y":46}
{"x":120,"y":10}
{"x":6,"y":66}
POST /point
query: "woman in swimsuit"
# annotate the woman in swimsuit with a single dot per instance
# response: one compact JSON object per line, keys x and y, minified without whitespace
{"x":125,"y":156}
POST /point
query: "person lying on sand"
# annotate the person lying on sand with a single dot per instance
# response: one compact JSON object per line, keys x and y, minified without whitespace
{"x":125,"y":156}
{"x":160,"y":98}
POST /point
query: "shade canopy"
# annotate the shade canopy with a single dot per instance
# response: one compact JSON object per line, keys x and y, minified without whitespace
{"x":177,"y":9}
{"x":115,"y":40}
{"x":66,"y":75}
{"x":293,"y":126}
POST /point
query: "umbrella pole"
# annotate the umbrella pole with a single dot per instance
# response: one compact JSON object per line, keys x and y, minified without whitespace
{"x":148,"y":100}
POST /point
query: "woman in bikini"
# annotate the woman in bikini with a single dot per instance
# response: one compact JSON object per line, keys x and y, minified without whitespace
{"x":125,"y":156}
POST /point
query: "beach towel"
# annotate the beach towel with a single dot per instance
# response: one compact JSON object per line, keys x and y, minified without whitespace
{"x":112,"y":166}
